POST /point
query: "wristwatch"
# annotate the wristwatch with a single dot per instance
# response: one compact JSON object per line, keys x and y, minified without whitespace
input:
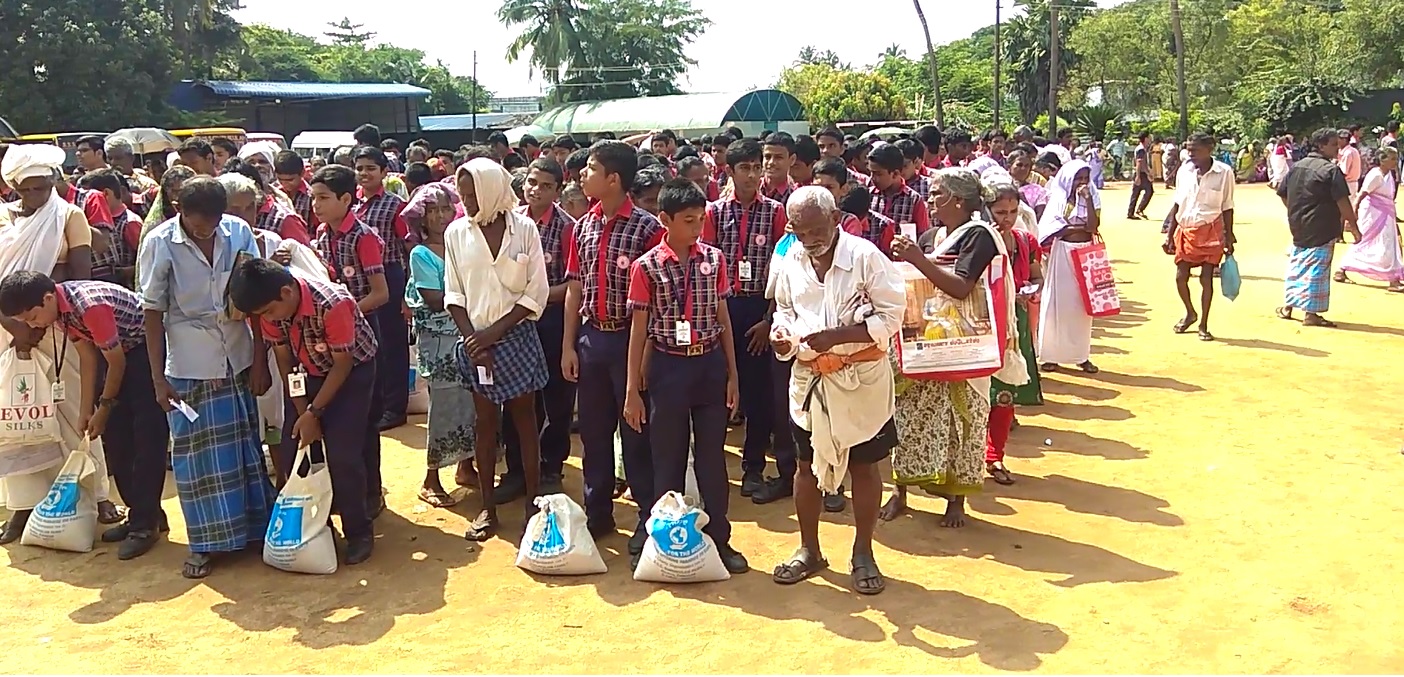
{"x":109,"y":402}
{"x":315,"y":411}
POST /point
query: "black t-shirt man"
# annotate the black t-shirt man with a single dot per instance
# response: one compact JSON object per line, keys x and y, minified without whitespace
{"x":1311,"y":191}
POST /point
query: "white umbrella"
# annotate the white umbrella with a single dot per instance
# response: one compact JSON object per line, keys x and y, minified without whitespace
{"x":147,"y":139}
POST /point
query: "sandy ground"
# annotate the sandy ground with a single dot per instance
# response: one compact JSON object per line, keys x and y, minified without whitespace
{"x":1168,"y":518}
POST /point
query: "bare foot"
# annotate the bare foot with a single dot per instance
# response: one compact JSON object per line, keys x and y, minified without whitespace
{"x":466,"y":475}
{"x":955,"y":513}
{"x":895,"y":506}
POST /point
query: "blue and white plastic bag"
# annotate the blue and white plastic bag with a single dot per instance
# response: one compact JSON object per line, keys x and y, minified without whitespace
{"x":298,"y":538}
{"x":557,"y":541}
{"x":677,"y":550}
{"x":67,"y":518}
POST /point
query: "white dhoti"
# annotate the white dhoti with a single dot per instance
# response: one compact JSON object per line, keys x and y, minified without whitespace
{"x":25,"y":491}
{"x":1064,"y":327}
{"x":840,"y":410}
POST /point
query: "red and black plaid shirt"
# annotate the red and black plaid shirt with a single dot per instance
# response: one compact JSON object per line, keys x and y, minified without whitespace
{"x":381,"y":211}
{"x":352,"y":252}
{"x":327,"y":321}
{"x":555,"y":229}
{"x":746,"y":233}
{"x":873,"y":227}
{"x":92,"y":202}
{"x":122,"y":250}
{"x":273,"y":216}
{"x":903,"y":206}
{"x":779,"y":194}
{"x":302,"y":203}
{"x":600,"y":252}
{"x":860,"y":178}
{"x":921,"y":184}
{"x":101,"y":313}
{"x":660,"y":284}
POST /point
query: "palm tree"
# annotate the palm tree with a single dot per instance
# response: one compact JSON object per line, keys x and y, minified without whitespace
{"x":894,"y":51}
{"x":931,"y":58}
{"x":550,"y":30}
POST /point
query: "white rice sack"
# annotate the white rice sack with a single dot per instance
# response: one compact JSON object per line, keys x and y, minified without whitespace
{"x":67,"y":518}
{"x":557,"y":541}
{"x":677,"y":551}
{"x":298,"y":539}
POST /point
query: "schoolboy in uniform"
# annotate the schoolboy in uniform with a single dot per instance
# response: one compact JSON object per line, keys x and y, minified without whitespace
{"x":778,"y":153}
{"x":118,"y":263}
{"x":325,"y":349}
{"x":381,"y":210}
{"x":352,"y":252}
{"x":594,"y":351}
{"x":746,"y":226}
{"x":680,"y":336}
{"x":104,"y":323}
{"x":289,"y":169}
{"x":892,"y":197}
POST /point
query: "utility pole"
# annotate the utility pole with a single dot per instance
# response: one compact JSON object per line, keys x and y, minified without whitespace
{"x":474,"y":96}
{"x":998,"y":94}
{"x":1054,"y":57}
{"x":1180,"y":67}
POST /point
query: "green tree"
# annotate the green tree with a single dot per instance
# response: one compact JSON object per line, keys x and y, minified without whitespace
{"x":831,"y":95}
{"x":1026,"y":51}
{"x":632,"y":48}
{"x":267,"y":53}
{"x":1120,"y":51}
{"x":828,"y":57}
{"x":550,"y":29}
{"x":84,"y":64}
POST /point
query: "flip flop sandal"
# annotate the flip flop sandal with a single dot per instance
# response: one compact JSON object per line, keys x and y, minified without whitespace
{"x":115,"y":516}
{"x":1204,"y":335}
{"x":999,"y":473}
{"x":865,"y":570}
{"x":1183,"y":325}
{"x":1396,"y":290}
{"x":481,"y":529}
{"x":796,"y":570}
{"x":197,"y":566}
{"x":1048,"y":367}
{"x":1283,"y":313}
{"x":1088,"y":368}
{"x":437,"y":499}
{"x":1318,"y":321}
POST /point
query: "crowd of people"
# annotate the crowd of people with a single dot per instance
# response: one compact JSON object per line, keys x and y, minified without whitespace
{"x":655,"y":289}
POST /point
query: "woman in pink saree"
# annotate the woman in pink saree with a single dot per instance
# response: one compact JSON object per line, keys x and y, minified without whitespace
{"x":1376,"y":254}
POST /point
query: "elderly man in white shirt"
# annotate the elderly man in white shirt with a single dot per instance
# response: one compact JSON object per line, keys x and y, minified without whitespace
{"x":838,"y":302}
{"x":1201,"y":227}
{"x":495,"y":289}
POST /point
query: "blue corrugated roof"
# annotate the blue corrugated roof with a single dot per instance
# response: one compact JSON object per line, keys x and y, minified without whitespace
{"x":464,"y":121}
{"x":313,"y":90}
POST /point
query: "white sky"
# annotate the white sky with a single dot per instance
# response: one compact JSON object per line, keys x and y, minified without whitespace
{"x":452,"y":30}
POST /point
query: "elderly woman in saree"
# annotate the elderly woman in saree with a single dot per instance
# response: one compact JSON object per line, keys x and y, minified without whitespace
{"x":43,"y":232}
{"x":1376,"y":254}
{"x":451,"y":410}
{"x":942,"y":425}
{"x":1069,"y":222}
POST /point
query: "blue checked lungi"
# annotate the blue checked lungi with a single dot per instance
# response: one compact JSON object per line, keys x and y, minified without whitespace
{"x":1308,"y":280}
{"x":519,"y":365}
{"x":218,"y":464}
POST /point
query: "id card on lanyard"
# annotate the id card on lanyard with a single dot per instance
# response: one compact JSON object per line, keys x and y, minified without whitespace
{"x":743,"y":264}
{"x":682,"y":329}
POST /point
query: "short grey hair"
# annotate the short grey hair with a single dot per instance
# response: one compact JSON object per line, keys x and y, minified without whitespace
{"x":343,"y":157}
{"x":960,"y":183}
{"x":117,"y":144}
{"x":810,"y":197}
{"x":238,"y":184}
{"x":1387,"y":153}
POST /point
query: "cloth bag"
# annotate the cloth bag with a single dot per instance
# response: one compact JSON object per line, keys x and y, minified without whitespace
{"x":1096,"y":281}
{"x":557,"y":541}
{"x":27,"y":412}
{"x":677,"y":550}
{"x":1230,"y":283}
{"x":67,"y":518}
{"x":945,"y":339}
{"x":298,"y":538}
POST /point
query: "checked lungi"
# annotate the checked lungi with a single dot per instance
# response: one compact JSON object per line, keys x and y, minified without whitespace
{"x":518,"y":365}
{"x":217,"y":460}
{"x":1308,"y":282}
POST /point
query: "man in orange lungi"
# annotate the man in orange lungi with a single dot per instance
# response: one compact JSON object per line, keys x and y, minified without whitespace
{"x":1201,"y":227}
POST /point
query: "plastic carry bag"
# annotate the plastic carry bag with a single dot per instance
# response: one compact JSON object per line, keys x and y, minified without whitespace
{"x":67,"y":518}
{"x":677,"y":550}
{"x":27,"y":412}
{"x":298,"y":538}
{"x":1230,"y":283}
{"x":557,"y":541}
